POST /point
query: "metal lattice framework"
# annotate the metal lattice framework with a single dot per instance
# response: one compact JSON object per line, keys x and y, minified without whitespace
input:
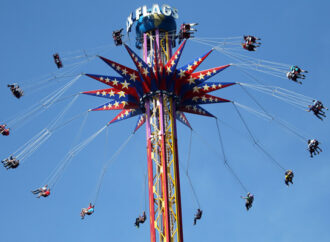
{"x":164,"y":183}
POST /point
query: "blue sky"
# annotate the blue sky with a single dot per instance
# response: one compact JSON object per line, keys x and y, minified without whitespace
{"x":294,"y":32}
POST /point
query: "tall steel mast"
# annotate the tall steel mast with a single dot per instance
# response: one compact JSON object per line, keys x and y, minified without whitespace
{"x":163,"y":165}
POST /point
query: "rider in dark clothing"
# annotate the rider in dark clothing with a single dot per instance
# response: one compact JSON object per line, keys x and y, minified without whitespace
{"x":117,"y":37}
{"x":58,"y":61}
{"x":140,"y":220}
{"x":248,"y":200}
{"x":16,"y":90}
{"x":295,"y":73}
{"x":198,"y":215}
{"x":249,"y":47}
{"x":10,"y":163}
{"x":186,"y":31}
{"x":288,"y":177}
{"x":3,"y":130}
{"x":319,"y":106}
{"x":313,"y":147}
{"x":316,"y":111}
{"x":249,"y":39}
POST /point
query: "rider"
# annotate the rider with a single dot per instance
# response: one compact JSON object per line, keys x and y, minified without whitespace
{"x":198,"y":215}
{"x":297,"y":70}
{"x":316,"y":146}
{"x":250,"y":47}
{"x":117,"y":37}
{"x":250,"y":39}
{"x":293,"y":77}
{"x":45,"y":193}
{"x":57,"y":60}
{"x":316,"y":111}
{"x":288,"y":177}
{"x":140,"y":220}
{"x":42,"y":189}
{"x":88,"y":211}
{"x":319,"y":105}
{"x":3,"y":130}
{"x":186,"y":31}
{"x":248,"y":200}
{"x":295,"y":73}
{"x":16,"y":90}
{"x":10,"y":163}
{"x":313,"y":147}
{"x":250,"y":43}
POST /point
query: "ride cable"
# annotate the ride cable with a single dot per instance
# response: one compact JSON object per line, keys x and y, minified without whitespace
{"x":36,"y":86}
{"x":232,"y":42}
{"x":41,"y":106}
{"x":255,"y":141}
{"x":69,"y":70}
{"x":247,"y":62}
{"x":57,"y":173}
{"x":253,"y":111}
{"x":270,"y":68}
{"x":145,"y":198}
{"x":301,"y":137}
{"x":34,"y":143}
{"x":76,"y":139}
{"x":187,"y":172}
{"x":81,"y":54}
{"x":283,"y":124}
{"x":106,"y":166}
{"x":225,"y":163}
{"x":225,"y":158}
{"x":293,"y":98}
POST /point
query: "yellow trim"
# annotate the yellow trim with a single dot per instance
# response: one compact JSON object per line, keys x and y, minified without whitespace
{"x":163,"y":48}
{"x":167,"y":47}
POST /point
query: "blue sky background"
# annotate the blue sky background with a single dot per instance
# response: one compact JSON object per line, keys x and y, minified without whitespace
{"x":294,"y":32}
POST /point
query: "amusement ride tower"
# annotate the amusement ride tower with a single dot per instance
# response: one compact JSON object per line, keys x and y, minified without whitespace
{"x":162,"y":150}
{"x":160,"y":93}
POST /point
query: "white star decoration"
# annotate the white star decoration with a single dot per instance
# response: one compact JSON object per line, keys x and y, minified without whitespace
{"x":133,"y":77}
{"x":121,"y":94}
{"x":125,"y":84}
{"x":145,"y":71}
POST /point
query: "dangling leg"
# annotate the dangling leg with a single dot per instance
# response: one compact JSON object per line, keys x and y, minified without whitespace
{"x":82,"y":214}
{"x":318,"y":115}
{"x":7,"y":165}
{"x":137,"y":222}
{"x":247,"y":206}
{"x":318,"y":148}
{"x":36,"y":191}
{"x":311,"y":152}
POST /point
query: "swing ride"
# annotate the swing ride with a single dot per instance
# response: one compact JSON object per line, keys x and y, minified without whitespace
{"x":159,"y":92}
